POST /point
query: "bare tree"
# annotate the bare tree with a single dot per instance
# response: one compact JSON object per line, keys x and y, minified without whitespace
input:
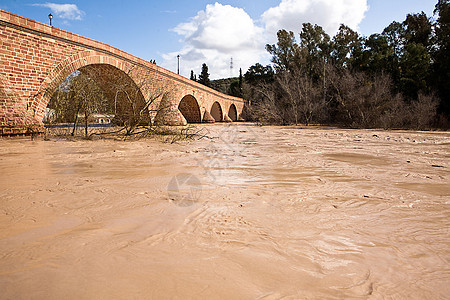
{"x":303,"y":95}
{"x":424,"y":111}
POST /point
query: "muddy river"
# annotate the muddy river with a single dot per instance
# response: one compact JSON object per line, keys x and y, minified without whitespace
{"x":247,"y":213}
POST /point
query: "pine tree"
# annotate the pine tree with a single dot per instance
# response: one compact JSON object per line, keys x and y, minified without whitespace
{"x":203,"y":78}
{"x":241,"y":79}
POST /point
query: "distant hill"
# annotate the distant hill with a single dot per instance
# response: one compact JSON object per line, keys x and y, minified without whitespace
{"x":224,"y":85}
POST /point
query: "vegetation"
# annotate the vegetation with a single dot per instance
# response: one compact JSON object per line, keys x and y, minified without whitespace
{"x":396,"y":79}
{"x":107,"y":90}
{"x":203,"y":78}
{"x":78,"y":96}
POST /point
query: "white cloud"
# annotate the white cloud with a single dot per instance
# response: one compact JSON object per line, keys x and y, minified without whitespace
{"x":64,"y":11}
{"x":329,"y":14}
{"x":220,"y":32}
{"x":214,"y":36}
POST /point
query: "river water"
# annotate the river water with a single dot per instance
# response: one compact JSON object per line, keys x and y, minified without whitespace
{"x":247,"y":213}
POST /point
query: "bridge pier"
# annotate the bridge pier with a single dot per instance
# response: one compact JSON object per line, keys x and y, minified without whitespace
{"x":207,"y":118}
{"x":15,"y":119}
{"x":168,"y":114}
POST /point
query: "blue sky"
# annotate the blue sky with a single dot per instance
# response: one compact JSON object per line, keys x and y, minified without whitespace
{"x":210,"y":31}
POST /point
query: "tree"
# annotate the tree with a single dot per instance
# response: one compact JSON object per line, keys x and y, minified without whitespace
{"x":377,"y":56}
{"x":380,"y":80}
{"x":88,"y":98}
{"x":193,"y":76}
{"x":284,"y":52}
{"x":256,"y":76}
{"x":78,"y":95}
{"x":396,"y":37}
{"x":415,"y":65}
{"x":344,"y":45}
{"x":418,"y":29}
{"x":241,"y":80}
{"x":236,"y":86}
{"x":314,"y":49}
{"x":203,"y":78}
{"x":302,"y":95}
{"x":259,"y":73}
{"x":362,"y":99}
{"x":441,"y":55}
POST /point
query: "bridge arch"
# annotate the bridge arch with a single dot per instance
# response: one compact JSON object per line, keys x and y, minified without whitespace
{"x":190,"y":109}
{"x":108,"y":72}
{"x":232,"y":113}
{"x":217,"y":112}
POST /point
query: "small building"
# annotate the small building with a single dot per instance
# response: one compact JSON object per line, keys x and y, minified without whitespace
{"x":97,"y":118}
{"x":49,"y":116}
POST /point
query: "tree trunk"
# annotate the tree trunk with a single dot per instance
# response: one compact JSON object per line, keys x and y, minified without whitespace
{"x":86,"y":123}
{"x":75,"y":123}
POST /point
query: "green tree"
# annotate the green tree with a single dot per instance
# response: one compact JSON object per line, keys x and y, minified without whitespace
{"x":259,"y":73}
{"x":193,"y":76}
{"x":235,"y":88}
{"x":203,"y":78}
{"x":241,"y":80}
{"x":396,"y":39}
{"x":344,"y":45}
{"x":415,"y":67}
{"x":284,"y":52}
{"x":441,"y":55}
{"x":256,"y":77}
{"x":315,"y":48}
{"x":378,"y":54}
{"x":418,"y":29}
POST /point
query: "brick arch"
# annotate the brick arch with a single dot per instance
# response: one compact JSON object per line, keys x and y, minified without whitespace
{"x":190,"y":109}
{"x":232,"y":113}
{"x":66,"y":67}
{"x":217,"y":112}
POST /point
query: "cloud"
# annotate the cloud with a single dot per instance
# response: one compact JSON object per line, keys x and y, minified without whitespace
{"x":214,"y":36}
{"x":291,"y":14}
{"x":220,"y":32}
{"x":64,"y":11}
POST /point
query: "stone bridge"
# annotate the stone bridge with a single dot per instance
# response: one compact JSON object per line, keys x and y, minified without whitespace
{"x":35,"y":58}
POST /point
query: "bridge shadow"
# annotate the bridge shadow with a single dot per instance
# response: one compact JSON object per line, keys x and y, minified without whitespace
{"x":190,"y":109}
{"x":121,"y":97}
{"x":232,"y":113}
{"x":216,"y":112}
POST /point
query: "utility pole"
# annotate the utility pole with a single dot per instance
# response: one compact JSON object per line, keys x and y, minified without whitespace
{"x":231,"y":67}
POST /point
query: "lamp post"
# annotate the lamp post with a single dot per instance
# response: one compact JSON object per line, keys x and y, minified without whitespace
{"x":50,"y":17}
{"x":178,"y":72}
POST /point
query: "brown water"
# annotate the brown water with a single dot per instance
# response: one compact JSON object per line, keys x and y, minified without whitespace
{"x":253,"y":213}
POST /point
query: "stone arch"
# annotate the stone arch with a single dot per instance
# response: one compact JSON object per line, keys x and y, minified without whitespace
{"x":232,"y":113}
{"x":86,"y":61}
{"x":190,"y":109}
{"x":216,"y":112}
